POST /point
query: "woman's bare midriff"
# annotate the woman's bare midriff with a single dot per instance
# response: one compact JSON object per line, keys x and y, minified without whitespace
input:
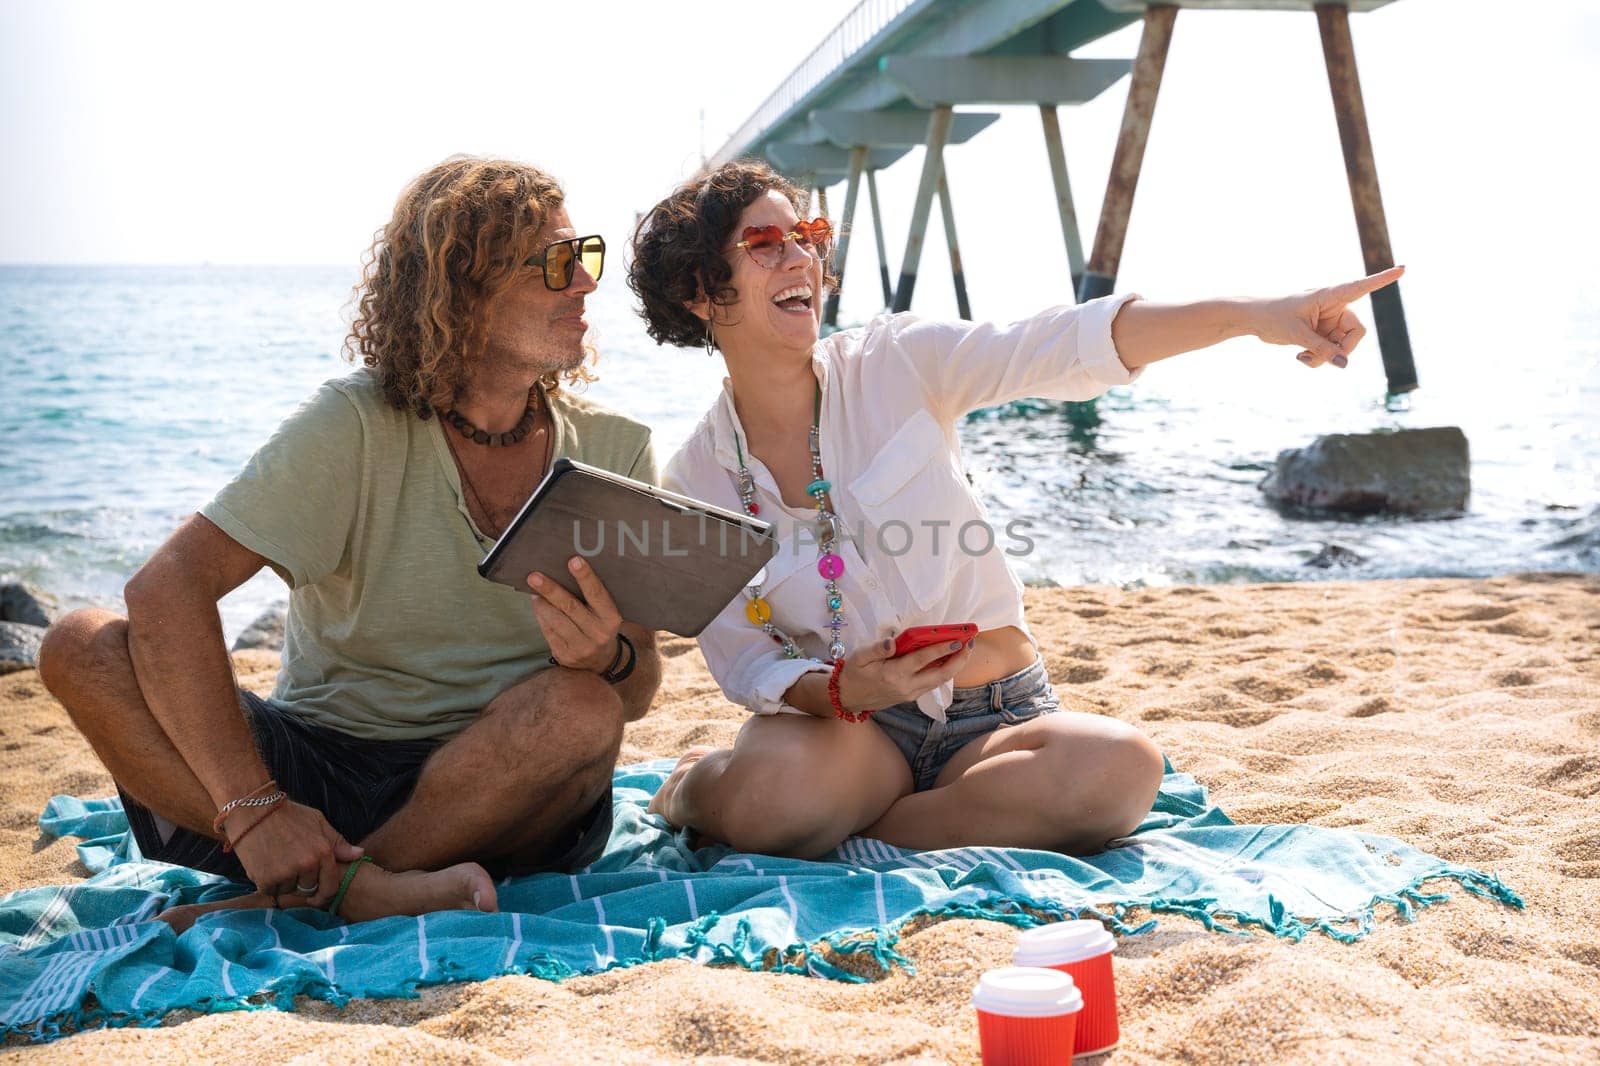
{"x":997,"y":653}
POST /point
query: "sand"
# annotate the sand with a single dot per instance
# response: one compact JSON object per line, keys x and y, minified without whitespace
{"x":1461,"y":716}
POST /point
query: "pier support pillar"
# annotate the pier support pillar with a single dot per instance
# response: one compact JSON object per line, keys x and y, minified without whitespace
{"x":877,"y":233}
{"x":948,"y":214}
{"x":1394,"y":342}
{"x":858,"y":162}
{"x":1064,"y":208}
{"x":1100,"y":275}
{"x":932,"y":168}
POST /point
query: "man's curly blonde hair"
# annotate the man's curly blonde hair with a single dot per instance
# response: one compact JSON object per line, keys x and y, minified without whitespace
{"x":460,"y":234}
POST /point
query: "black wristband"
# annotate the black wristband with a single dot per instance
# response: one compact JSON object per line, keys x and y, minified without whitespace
{"x":616,"y":660}
{"x":612,"y":674}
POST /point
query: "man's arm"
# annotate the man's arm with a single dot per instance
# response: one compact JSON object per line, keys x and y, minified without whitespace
{"x":179,"y":656}
{"x":184,"y":672}
{"x":582,"y":634}
{"x":639,"y":688}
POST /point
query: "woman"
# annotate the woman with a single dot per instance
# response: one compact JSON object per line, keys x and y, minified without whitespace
{"x":847,"y":445}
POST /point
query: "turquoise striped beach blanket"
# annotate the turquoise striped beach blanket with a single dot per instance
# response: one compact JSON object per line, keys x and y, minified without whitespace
{"x":91,"y":954}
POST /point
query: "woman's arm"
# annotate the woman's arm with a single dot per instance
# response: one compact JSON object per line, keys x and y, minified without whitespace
{"x":1320,"y":322}
{"x":875,"y":678}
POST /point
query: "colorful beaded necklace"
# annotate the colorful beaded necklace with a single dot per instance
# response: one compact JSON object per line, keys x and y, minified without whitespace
{"x":829,"y":564}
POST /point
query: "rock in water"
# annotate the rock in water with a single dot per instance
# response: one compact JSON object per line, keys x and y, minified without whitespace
{"x":1413,"y":472}
{"x":19,"y":646}
{"x":1333,"y":555}
{"x":20,"y":602}
{"x":266,"y":632}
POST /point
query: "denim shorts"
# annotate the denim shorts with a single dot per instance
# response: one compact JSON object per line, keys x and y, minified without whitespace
{"x":357,"y":784}
{"x":973,"y":713}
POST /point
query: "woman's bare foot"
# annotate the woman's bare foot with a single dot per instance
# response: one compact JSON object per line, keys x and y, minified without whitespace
{"x":375,"y":893}
{"x":181,"y":918}
{"x":667,"y":802}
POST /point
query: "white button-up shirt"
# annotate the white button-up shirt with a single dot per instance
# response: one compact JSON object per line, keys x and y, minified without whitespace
{"x":917,"y":544}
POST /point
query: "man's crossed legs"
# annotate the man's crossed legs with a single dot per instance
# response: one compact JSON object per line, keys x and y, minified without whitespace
{"x":525,"y":787}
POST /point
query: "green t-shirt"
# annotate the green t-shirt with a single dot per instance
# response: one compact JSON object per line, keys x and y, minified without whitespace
{"x":391,"y":633}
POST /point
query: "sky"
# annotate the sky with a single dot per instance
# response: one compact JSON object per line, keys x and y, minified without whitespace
{"x":275,"y":134}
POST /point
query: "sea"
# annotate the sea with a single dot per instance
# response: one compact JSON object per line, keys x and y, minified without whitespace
{"x":130,"y":394}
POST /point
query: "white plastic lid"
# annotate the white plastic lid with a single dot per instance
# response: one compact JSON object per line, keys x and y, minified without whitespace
{"x":1062,"y":942}
{"x":1027,"y":992}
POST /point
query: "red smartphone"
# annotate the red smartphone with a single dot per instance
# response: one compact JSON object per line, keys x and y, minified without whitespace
{"x":927,"y":636}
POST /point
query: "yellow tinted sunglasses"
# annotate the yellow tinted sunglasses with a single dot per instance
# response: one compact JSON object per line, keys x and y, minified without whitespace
{"x":560,"y":260}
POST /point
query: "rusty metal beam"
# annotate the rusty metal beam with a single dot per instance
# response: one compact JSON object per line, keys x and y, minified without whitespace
{"x":1100,"y":276}
{"x":1394,"y":342}
{"x":858,"y":163}
{"x":948,"y":214}
{"x":877,"y":232}
{"x":932,"y":167}
{"x":1064,"y":209}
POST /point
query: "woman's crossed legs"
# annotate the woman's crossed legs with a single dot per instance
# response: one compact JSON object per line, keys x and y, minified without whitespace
{"x":799,"y":785}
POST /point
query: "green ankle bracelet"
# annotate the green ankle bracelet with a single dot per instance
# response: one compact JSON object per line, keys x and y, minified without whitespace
{"x":344,"y":884}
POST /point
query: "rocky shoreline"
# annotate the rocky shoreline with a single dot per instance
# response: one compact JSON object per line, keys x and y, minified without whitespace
{"x":25,"y":613}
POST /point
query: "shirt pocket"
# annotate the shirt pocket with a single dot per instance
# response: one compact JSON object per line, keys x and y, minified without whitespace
{"x":914,"y":505}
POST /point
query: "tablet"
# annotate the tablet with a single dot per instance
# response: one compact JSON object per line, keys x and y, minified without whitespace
{"x":669,"y":562}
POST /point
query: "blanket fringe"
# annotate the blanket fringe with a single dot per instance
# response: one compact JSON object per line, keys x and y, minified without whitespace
{"x":1348,"y":929}
{"x":856,"y":956}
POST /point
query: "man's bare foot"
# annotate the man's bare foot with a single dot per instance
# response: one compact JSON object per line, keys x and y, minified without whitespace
{"x":375,"y":893}
{"x":666,"y":801}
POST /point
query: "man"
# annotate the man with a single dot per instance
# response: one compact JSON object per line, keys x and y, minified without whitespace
{"x":419,"y":719}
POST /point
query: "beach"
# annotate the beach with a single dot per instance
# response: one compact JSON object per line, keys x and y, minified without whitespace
{"x":1461,"y":716}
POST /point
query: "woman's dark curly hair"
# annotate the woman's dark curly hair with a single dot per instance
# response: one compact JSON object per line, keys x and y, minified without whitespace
{"x":461,"y":233}
{"x":678,"y":247}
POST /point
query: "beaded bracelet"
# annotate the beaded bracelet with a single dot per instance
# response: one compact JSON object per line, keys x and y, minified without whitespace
{"x":229,"y":845}
{"x":839,"y":709}
{"x":249,"y":799}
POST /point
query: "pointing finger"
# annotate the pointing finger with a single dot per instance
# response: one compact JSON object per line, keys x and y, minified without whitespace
{"x":1351,"y":291}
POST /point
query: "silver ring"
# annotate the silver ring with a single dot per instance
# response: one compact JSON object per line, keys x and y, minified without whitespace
{"x":303,"y":890}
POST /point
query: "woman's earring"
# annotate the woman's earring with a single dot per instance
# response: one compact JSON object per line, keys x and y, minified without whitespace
{"x":711,"y":345}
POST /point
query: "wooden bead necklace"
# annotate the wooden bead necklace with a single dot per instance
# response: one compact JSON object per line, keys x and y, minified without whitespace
{"x":512,"y":436}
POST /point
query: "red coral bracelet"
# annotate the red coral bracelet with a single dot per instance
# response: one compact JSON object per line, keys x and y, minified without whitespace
{"x":839,"y":710}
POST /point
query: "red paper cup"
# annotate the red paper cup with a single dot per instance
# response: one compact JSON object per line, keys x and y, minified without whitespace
{"x":1027,"y":1016}
{"x":1082,"y":949}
